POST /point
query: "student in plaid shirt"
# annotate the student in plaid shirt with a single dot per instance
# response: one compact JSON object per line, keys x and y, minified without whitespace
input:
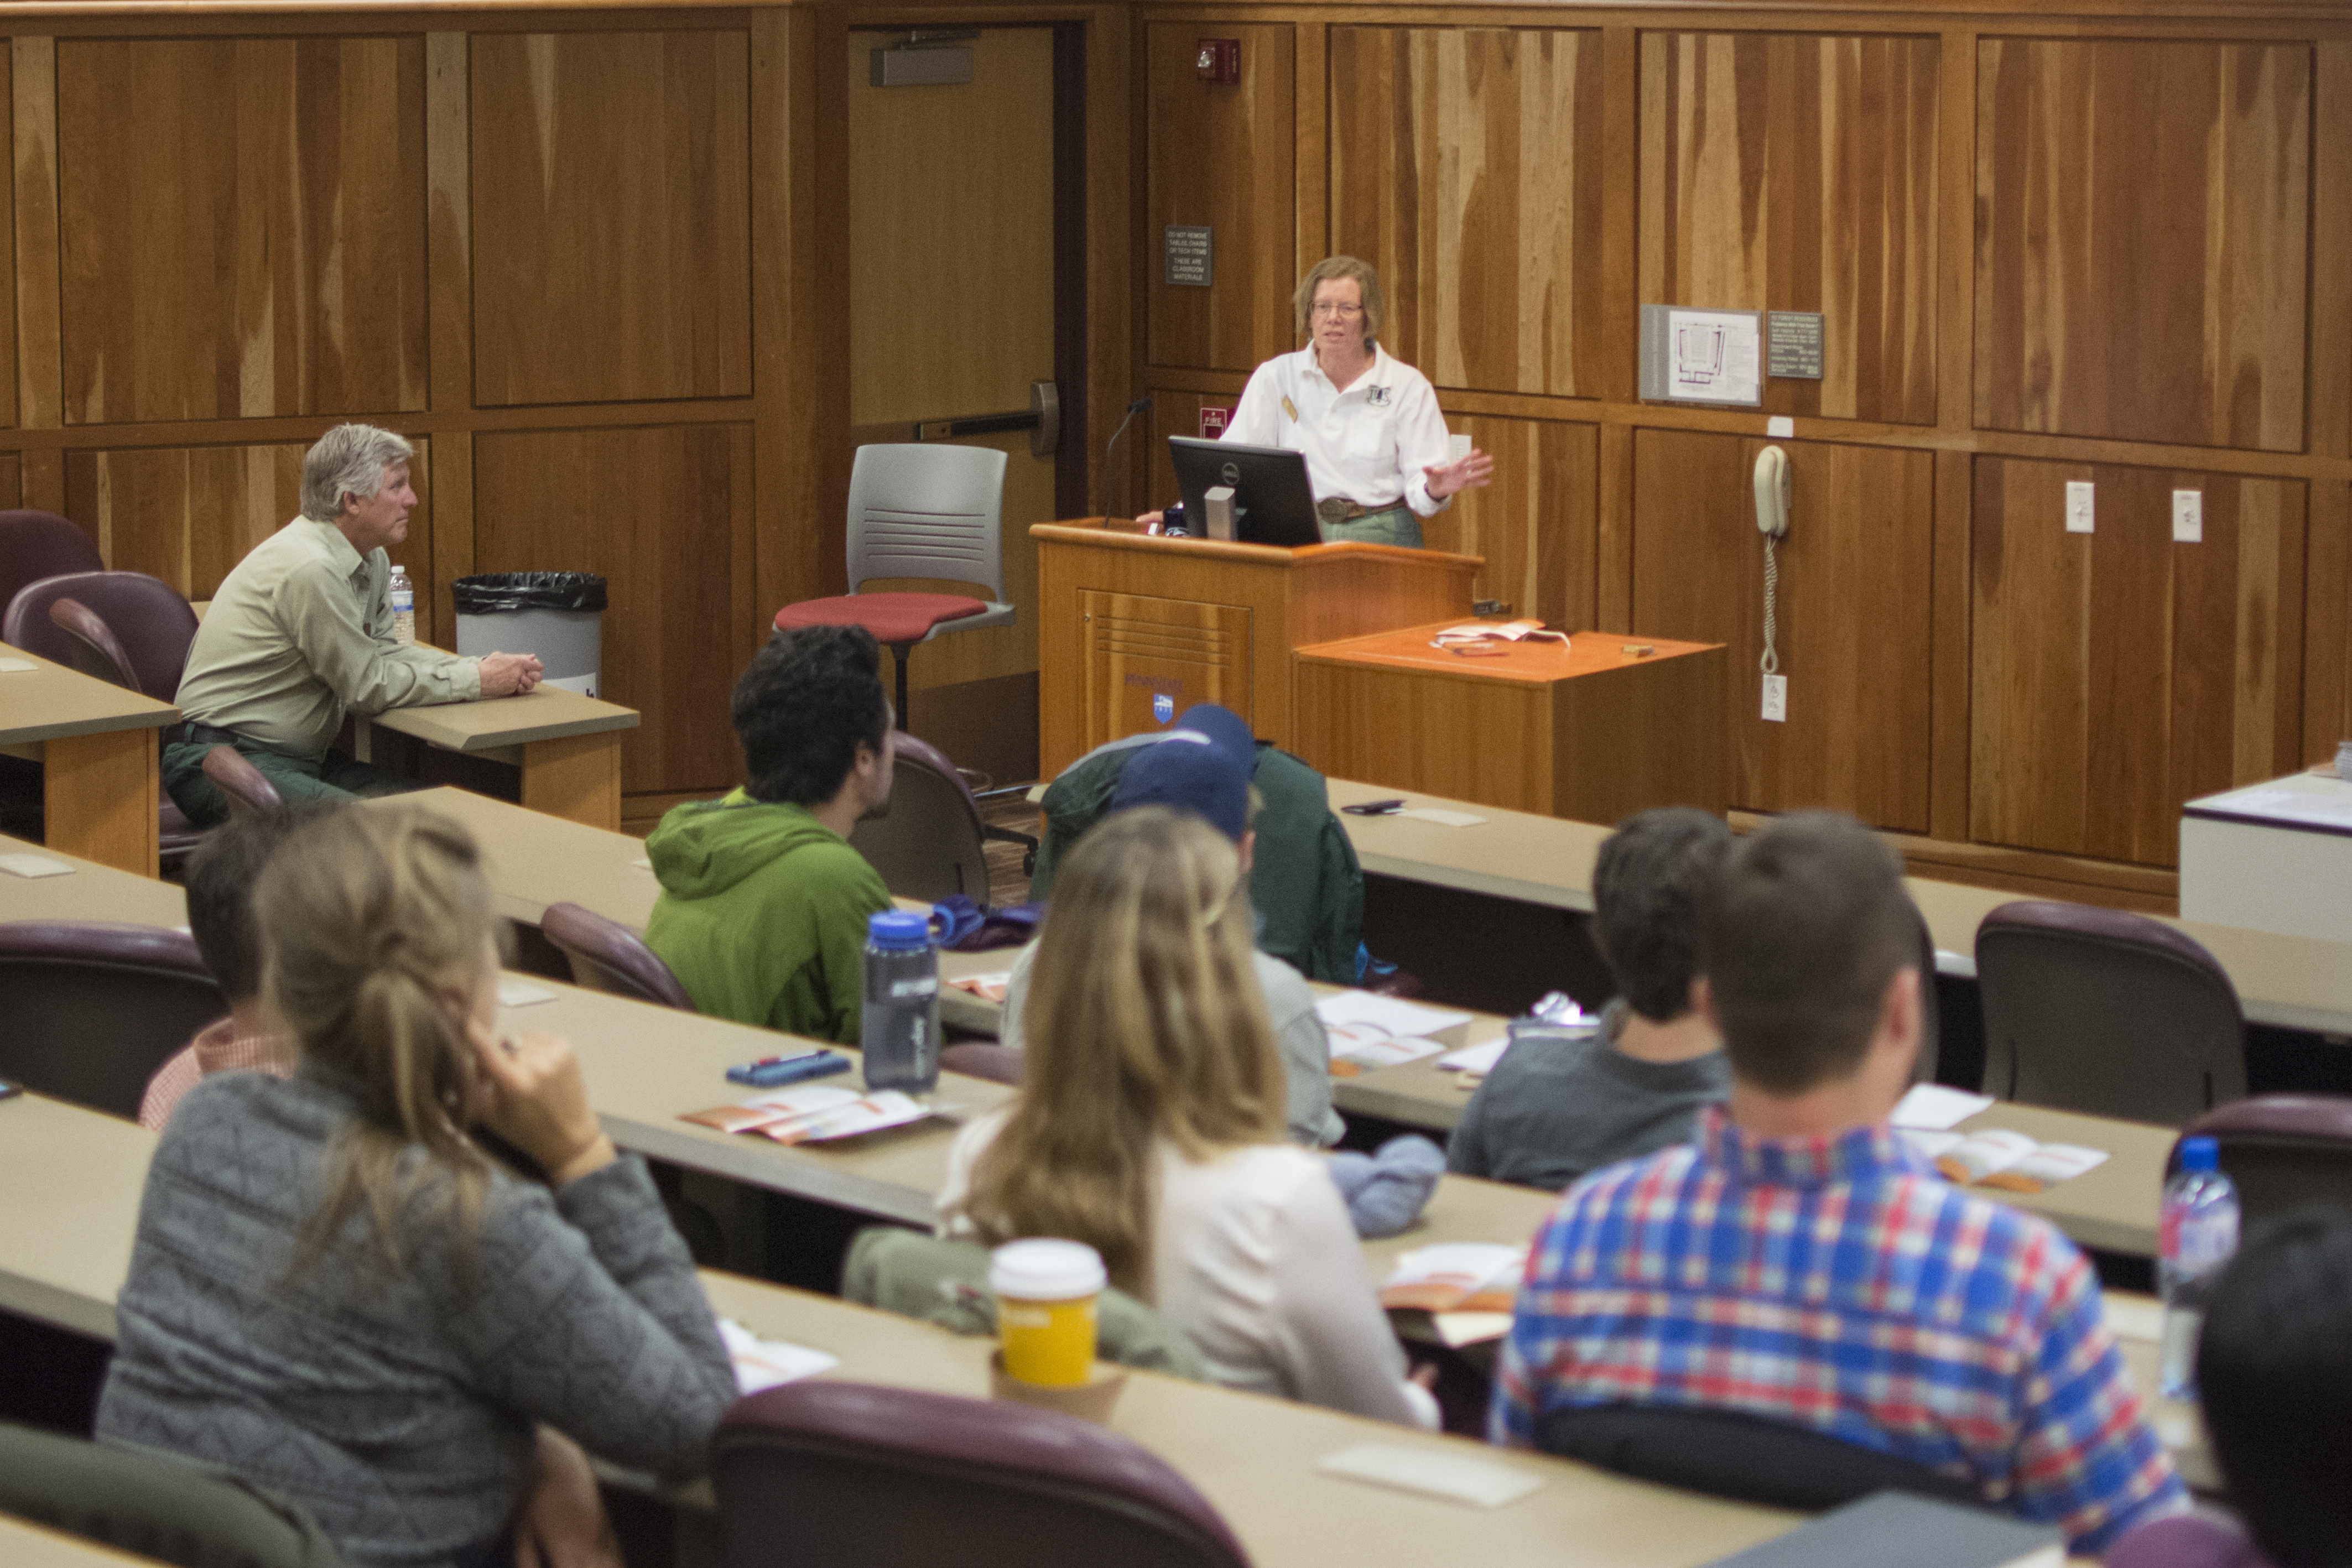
{"x":1800,"y":1262}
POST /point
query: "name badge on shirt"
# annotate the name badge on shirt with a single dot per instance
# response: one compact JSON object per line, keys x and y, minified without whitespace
{"x":1289,"y":409}
{"x":1378,"y":397}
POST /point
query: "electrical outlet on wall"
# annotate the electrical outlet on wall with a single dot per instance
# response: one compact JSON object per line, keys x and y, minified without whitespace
{"x":2079,"y":503}
{"x":1776,"y":699}
{"x":2188,"y":517}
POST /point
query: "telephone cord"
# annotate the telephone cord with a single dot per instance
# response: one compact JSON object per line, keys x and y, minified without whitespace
{"x":1770,"y":662}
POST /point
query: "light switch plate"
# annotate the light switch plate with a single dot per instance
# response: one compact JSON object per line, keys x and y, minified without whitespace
{"x":1780,"y":427}
{"x":2079,"y":505}
{"x":2188,"y":517}
{"x":1457,"y":447}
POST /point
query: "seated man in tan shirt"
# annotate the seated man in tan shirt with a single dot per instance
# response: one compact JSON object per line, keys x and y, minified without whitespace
{"x":300,"y":632}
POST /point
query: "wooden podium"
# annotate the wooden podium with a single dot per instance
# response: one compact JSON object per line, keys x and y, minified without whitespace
{"x":1133,"y":628}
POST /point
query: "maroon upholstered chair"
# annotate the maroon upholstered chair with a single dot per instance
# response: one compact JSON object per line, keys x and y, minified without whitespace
{"x":93,"y":648}
{"x":606,"y":956}
{"x":919,"y":510}
{"x":822,"y":1474}
{"x":151,"y":623}
{"x":35,"y":545}
{"x":928,"y":842}
{"x":93,"y":1007}
{"x":2107,"y":1012}
{"x":2283,"y":1151}
{"x":249,"y":790}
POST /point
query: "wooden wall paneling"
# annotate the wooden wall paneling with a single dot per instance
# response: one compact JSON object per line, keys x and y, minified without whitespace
{"x":188,"y":514}
{"x":670,"y":504}
{"x":1854,"y":612}
{"x":449,"y":260}
{"x":1956,"y":297}
{"x":7,"y":259}
{"x":1224,"y":156}
{"x":1798,"y":172}
{"x":1536,"y":524}
{"x":2331,"y":249}
{"x":12,"y":479}
{"x":2327,"y":637}
{"x":1466,"y":166}
{"x":611,"y":217}
{"x":2119,"y":674}
{"x":1621,"y":221}
{"x":1314,"y":96}
{"x":2143,"y":239}
{"x":801,"y":371}
{"x":1613,"y":567}
{"x":38,"y":383}
{"x":1949,"y":641}
{"x":289,"y":175}
{"x":1113,"y":137}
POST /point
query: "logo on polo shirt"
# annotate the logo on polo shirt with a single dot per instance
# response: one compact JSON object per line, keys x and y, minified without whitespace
{"x":1378,"y":397}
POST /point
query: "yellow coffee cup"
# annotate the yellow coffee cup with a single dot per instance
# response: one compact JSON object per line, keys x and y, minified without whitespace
{"x":1045,"y":1291}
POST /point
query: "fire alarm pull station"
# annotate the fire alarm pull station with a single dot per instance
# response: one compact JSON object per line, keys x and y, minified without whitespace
{"x":1220,"y":60}
{"x":1213,"y":422}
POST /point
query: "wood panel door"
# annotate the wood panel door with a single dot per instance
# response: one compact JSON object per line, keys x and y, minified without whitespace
{"x":952,"y":292}
{"x":1853,"y":611}
{"x":1147,"y":660}
{"x":1465,"y":166}
{"x":2143,"y":233}
{"x":2118,"y":673}
{"x":1795,"y":173}
{"x":1223,"y":157}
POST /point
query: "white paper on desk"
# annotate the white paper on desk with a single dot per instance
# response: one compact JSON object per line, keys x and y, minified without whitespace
{"x":1442,"y":817}
{"x":1372,"y":1047}
{"x":1456,"y":1330}
{"x":1935,"y":1108}
{"x":2139,"y":1318}
{"x":1479,"y":1058}
{"x":2328,"y":808}
{"x":16,"y":666}
{"x":987,"y":988}
{"x":514,"y":993}
{"x":763,"y":1364}
{"x":1432,"y":1472}
{"x":33,"y":866}
{"x":1931,"y":1145}
{"x":1343,"y":1009}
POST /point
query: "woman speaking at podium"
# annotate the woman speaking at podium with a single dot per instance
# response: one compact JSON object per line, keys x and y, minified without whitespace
{"x":1369,"y":425}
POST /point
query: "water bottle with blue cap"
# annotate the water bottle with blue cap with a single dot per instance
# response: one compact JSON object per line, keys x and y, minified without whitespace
{"x":898,"y":1023}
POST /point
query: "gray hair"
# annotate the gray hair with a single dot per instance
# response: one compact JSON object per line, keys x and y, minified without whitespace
{"x":349,"y":460}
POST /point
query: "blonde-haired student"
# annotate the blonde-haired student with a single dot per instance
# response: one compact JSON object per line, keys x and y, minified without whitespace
{"x":1151,"y":1127}
{"x":339,"y":1289}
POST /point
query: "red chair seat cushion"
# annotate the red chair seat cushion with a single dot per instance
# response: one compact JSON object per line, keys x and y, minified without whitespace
{"x":891,"y":617}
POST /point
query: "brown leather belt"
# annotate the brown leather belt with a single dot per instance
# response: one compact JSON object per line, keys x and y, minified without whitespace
{"x":1335,"y":510}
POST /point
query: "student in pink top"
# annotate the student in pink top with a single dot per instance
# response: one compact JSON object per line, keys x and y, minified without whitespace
{"x":221,"y":876}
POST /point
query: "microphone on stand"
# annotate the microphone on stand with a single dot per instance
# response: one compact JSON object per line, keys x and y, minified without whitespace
{"x":1138,"y":406}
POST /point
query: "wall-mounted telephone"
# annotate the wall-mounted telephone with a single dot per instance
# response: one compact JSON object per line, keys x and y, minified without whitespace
{"x":1772,"y":492}
{"x":1772,"y":522}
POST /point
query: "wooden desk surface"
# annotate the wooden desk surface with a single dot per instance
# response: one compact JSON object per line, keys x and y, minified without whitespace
{"x":532,"y":860}
{"x":50,"y":702}
{"x":70,"y":1185}
{"x":1535,"y":661}
{"x":90,"y":892}
{"x":1254,"y":1457}
{"x":24,"y":1544}
{"x":2292,"y":982}
{"x":548,"y":713}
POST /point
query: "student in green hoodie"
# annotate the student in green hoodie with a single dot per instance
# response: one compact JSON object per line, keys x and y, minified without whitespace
{"x":763,"y":902}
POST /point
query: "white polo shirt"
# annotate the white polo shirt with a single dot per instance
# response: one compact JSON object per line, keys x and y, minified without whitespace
{"x":1367,"y":445}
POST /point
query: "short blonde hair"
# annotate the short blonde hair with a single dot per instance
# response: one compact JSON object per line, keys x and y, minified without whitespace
{"x":1331,"y":267}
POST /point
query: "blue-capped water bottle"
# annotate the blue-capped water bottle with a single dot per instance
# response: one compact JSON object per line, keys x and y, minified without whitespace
{"x":2197,"y":1235}
{"x":899,"y":1024}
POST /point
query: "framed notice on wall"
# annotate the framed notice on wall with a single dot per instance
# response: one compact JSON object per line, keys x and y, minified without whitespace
{"x":1186,"y":250}
{"x":1702,"y":355}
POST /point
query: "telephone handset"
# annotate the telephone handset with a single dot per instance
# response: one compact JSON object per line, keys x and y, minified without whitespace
{"x":1772,"y":492}
{"x":1772,"y":522}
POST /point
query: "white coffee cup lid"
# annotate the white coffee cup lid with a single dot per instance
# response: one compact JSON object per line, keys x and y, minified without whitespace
{"x":1045,"y":1270}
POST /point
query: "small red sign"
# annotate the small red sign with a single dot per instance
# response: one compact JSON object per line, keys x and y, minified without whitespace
{"x":1213,"y":422}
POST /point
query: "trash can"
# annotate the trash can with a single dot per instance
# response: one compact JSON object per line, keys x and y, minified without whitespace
{"x":558,"y":616}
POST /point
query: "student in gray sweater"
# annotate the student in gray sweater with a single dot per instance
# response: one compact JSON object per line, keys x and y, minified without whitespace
{"x":1562,"y":1102}
{"x":339,"y":1290}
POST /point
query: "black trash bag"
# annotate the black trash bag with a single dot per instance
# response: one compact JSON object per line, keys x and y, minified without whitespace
{"x":493,"y":591}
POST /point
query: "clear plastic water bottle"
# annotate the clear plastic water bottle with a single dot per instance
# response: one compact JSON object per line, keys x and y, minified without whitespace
{"x":898,"y":1025}
{"x":403,"y":595}
{"x":2198,"y":1234}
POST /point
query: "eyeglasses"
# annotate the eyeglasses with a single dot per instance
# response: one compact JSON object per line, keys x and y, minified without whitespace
{"x":1331,"y":308}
